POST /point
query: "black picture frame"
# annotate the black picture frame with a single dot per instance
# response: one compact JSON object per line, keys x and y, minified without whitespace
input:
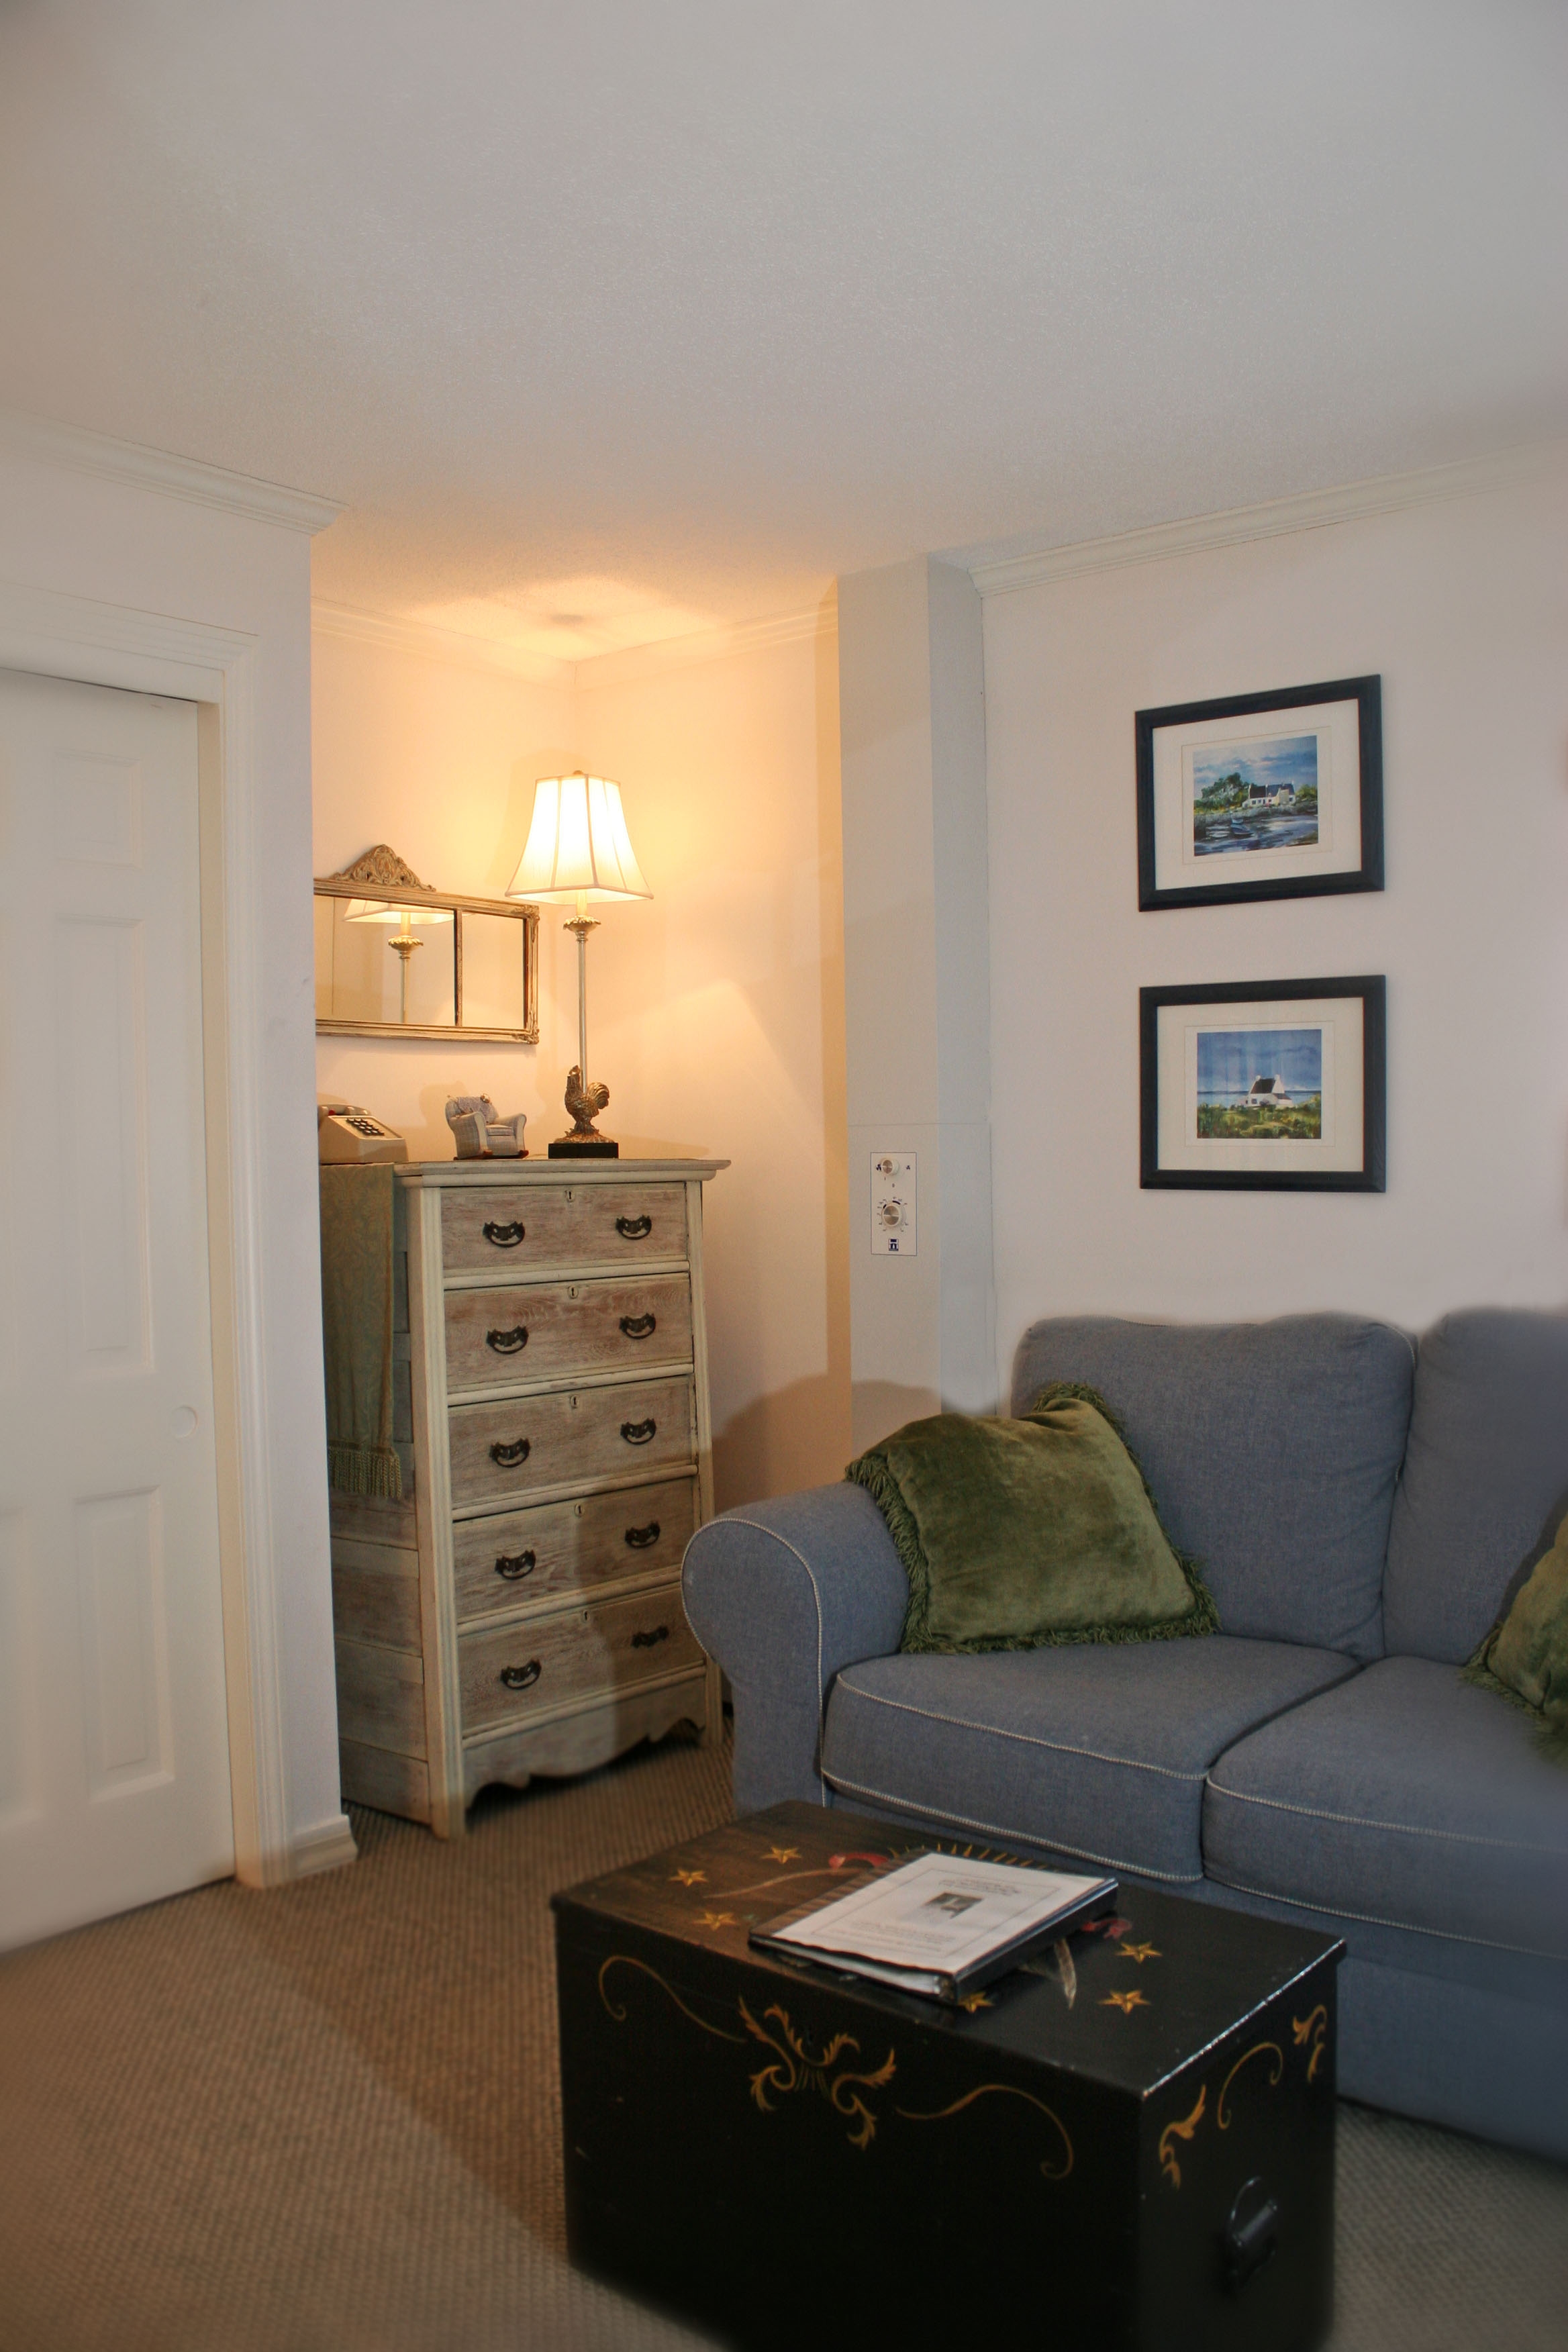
{"x":1367,"y":694}
{"x":1371,"y":1174}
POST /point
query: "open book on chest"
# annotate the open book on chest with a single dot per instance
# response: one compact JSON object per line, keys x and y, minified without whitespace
{"x":939,"y":1923}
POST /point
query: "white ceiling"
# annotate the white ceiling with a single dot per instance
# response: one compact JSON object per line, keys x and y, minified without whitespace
{"x":611,"y":318}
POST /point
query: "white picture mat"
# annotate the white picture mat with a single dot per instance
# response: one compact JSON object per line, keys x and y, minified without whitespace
{"x":1341,"y":1146}
{"x":1337,"y":850}
{"x":892,"y":1918}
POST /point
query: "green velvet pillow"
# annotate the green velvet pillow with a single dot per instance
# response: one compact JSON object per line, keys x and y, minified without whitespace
{"x":1525,"y":1656}
{"x":1017,"y":1533}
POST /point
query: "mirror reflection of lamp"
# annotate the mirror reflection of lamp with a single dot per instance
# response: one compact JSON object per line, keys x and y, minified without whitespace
{"x":403,"y":943}
{"x":578,"y":848}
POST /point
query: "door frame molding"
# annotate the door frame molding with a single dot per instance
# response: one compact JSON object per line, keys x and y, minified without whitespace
{"x":72,"y":638}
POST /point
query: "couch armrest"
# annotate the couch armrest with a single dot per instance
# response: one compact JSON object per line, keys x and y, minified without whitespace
{"x":783,"y":1594}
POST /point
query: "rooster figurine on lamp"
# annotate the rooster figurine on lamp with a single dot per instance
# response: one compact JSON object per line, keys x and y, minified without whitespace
{"x":578,"y":848}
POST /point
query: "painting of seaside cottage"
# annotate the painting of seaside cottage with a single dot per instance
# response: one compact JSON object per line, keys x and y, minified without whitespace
{"x":1261,"y":795}
{"x":1260,"y":1085}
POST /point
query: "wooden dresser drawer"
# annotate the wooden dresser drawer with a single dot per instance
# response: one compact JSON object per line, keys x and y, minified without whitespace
{"x":570,"y":1438}
{"x":523,"y":1669}
{"x":486,"y":1227}
{"x":561,"y":1547}
{"x":543,"y":1329}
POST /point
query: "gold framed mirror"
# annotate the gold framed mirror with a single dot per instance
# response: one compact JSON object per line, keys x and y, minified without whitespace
{"x":396,"y":960}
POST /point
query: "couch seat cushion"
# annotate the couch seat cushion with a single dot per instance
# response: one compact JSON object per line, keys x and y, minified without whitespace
{"x":1271,"y":1451}
{"x":1406,"y":1798}
{"x":1097,"y":1753}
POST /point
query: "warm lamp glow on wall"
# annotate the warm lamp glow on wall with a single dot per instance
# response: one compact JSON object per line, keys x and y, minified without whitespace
{"x":578,"y":848}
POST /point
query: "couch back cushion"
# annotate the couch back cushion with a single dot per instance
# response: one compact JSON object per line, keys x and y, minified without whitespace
{"x":1272,"y":1450}
{"x":1485,"y":1471}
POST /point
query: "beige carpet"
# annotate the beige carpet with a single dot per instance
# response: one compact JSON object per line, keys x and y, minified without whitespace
{"x":325,"y":2120}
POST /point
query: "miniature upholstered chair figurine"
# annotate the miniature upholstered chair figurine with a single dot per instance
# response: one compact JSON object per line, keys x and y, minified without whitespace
{"x":481,"y":1134}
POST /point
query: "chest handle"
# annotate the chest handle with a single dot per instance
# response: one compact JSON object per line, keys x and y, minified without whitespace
{"x":637,"y":1432}
{"x":508,"y":1343}
{"x":522,"y":1677}
{"x":639,"y":1538}
{"x":650,"y":1641}
{"x":634,"y":1229}
{"x":503,"y":1237}
{"x":515,"y":1564}
{"x":508,"y":1456}
{"x":639,"y":1327}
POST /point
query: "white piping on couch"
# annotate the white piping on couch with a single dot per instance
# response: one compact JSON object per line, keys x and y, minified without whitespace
{"x":731,"y":1519}
{"x":1025,"y":1837}
{"x":1405,"y":1829}
{"x":996,"y":1731}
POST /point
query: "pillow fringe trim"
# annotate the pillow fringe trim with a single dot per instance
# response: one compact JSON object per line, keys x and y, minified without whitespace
{"x":871,"y":1472}
{"x":1551,"y":1738}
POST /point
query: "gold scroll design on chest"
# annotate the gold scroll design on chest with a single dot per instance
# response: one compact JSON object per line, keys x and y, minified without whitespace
{"x":1185,"y":2127}
{"x":794,"y":2067}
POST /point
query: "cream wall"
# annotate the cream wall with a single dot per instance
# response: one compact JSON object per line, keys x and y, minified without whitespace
{"x":439,"y":762}
{"x":716,"y":1009}
{"x":1463,"y":608}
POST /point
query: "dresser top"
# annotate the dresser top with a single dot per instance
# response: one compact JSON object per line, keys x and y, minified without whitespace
{"x":542,"y":1171}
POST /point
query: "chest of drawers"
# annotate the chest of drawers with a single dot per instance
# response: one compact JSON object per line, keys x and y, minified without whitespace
{"x":518,"y":1612}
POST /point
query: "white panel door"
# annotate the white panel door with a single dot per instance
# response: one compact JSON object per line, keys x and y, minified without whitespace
{"x":113,"y":1730}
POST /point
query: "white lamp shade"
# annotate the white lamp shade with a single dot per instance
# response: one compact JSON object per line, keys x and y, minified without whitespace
{"x":375,"y":910}
{"x":578,"y":844}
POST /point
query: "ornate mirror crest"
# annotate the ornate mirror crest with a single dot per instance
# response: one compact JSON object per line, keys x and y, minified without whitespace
{"x":458,"y":966}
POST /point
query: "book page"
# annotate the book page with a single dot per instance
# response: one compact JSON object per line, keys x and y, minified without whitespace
{"x":938,"y":1913}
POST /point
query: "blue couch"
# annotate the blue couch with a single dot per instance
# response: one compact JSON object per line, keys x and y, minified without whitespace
{"x":1361,"y":1504}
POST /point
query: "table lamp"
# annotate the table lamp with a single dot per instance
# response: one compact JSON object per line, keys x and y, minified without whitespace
{"x":578,"y":848}
{"x":372,"y":910}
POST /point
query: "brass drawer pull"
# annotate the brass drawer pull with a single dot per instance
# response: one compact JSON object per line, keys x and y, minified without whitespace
{"x":634,"y":1229}
{"x":508,"y":1456}
{"x":515,"y":1564}
{"x":650,"y":1641}
{"x":639,"y":1327}
{"x":506,"y":1343}
{"x":522,"y":1677}
{"x":639,"y":1538}
{"x":503,"y":1237}
{"x":636,"y":1433}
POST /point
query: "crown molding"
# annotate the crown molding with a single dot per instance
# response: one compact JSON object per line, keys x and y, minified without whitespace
{"x":629,"y":664}
{"x":160,"y":469}
{"x":429,"y":642}
{"x":1311,"y":511}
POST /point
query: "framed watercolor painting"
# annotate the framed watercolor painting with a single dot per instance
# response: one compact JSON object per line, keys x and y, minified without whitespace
{"x":1272,"y":795}
{"x":1268,"y":1086}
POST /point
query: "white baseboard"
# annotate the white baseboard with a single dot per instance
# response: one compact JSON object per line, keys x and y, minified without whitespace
{"x":326,"y":1847}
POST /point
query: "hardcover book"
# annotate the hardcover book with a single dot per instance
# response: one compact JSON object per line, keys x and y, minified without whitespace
{"x":938,"y":1925}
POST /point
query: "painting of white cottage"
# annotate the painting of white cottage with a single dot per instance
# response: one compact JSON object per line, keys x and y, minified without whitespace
{"x":1261,"y":795}
{"x":1260,"y":1085}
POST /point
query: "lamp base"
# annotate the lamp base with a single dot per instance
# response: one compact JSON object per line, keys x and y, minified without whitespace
{"x":584,"y":1146}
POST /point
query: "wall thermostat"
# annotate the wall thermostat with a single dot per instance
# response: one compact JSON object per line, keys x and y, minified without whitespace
{"x":895,"y":1231}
